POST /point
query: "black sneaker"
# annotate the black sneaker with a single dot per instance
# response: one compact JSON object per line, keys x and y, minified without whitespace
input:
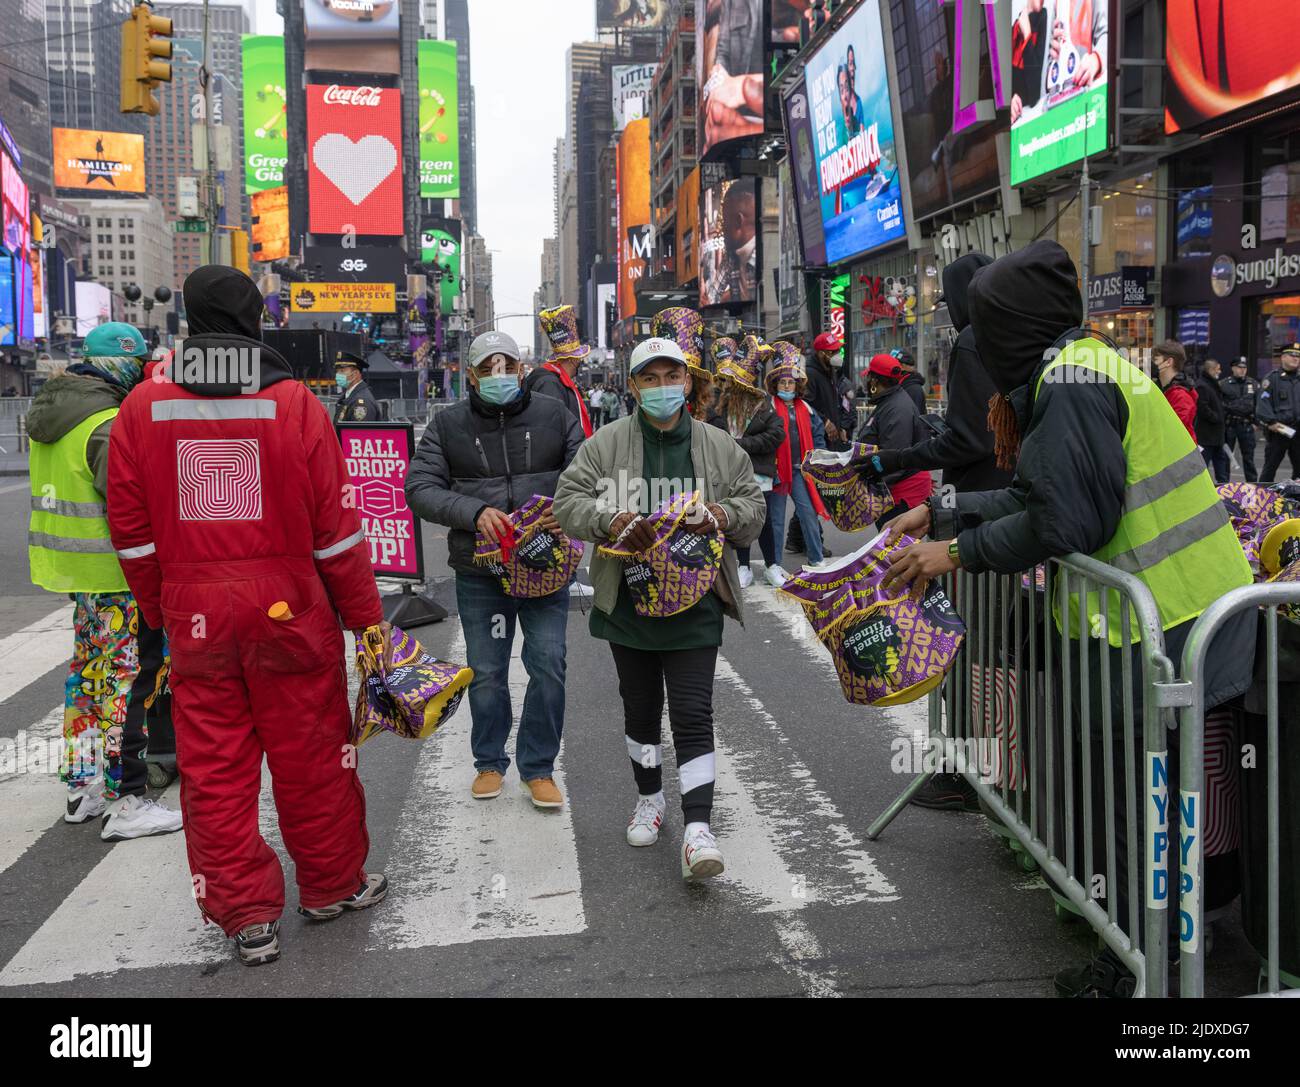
{"x":1103,"y":978}
{"x":259,"y":944}
{"x":370,"y":893}
{"x":947,"y":792}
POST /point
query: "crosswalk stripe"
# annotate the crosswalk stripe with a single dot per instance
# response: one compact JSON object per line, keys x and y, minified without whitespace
{"x":465,"y":869}
{"x":31,"y":795}
{"x":778,"y":810}
{"x":28,"y":654}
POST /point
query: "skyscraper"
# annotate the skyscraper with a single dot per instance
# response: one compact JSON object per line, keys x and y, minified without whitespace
{"x":83,"y":51}
{"x":24,"y":102}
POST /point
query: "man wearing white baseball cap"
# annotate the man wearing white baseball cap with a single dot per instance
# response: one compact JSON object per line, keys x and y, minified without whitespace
{"x":624,"y":472}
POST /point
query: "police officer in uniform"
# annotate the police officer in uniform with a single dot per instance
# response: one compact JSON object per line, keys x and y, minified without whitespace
{"x":1239,"y":392}
{"x":1279,"y":406}
{"x":356,"y":402}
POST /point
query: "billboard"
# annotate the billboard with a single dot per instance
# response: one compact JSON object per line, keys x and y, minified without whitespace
{"x":786,"y":19}
{"x":807,"y":188}
{"x":343,"y":298}
{"x":354,"y":175}
{"x":688,"y":227}
{"x":948,"y":97}
{"x":1060,"y":69}
{"x":440,"y":245}
{"x":633,"y":14}
{"x":94,"y":306}
{"x":634,"y":232}
{"x":728,"y":262}
{"x":8,"y":310}
{"x":269,"y":210}
{"x":362,"y":264}
{"x":439,"y":121}
{"x":789,"y":278}
{"x":1220,"y":63}
{"x":350,"y":20}
{"x":631,"y":87}
{"x":266,"y":145}
{"x":729,"y":42}
{"x":100,"y":161}
{"x":861,"y":200}
{"x":16,"y":202}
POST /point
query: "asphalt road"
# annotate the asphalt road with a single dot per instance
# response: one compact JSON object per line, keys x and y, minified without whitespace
{"x":496,"y":898}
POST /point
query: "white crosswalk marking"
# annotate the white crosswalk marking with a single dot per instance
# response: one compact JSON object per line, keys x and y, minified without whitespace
{"x":32,"y":797}
{"x":28,"y":654}
{"x":465,"y":869}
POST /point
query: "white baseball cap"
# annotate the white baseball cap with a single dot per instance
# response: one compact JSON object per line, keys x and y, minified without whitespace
{"x":647,"y":351}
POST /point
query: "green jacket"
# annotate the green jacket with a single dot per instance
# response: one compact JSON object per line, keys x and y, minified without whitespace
{"x":605,"y":479}
{"x":62,"y":404}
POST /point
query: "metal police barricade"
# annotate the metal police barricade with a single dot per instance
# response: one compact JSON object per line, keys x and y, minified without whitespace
{"x":1192,"y":828}
{"x":1027,"y":712}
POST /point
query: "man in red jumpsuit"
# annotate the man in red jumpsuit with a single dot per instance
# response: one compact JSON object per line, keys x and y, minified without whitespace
{"x":228,"y":499}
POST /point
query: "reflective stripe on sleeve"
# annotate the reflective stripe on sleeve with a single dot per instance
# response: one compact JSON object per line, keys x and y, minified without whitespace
{"x":338,"y":548}
{"x":136,"y":552}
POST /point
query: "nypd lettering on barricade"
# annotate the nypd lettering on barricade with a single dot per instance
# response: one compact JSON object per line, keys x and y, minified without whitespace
{"x":1157,"y":829}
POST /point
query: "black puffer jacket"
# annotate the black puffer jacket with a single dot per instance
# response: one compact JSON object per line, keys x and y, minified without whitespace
{"x":965,"y":450}
{"x":762,"y":438}
{"x":476,"y":455}
{"x":1210,"y":422}
{"x":823,"y":394}
{"x":914,"y":385}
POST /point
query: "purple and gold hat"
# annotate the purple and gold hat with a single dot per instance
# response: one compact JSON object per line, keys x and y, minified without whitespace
{"x":561,"y":327}
{"x":685,"y":327}
{"x":743,"y":367}
{"x":787,"y":363}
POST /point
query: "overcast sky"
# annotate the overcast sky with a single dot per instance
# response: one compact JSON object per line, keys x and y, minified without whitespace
{"x":517,"y":64}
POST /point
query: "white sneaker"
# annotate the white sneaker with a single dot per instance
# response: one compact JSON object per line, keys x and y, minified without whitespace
{"x":577,"y":588}
{"x":137,"y":817}
{"x":776,"y":577}
{"x":85,"y":802}
{"x":819,"y":565}
{"x":746,"y":577}
{"x":701,"y":857}
{"x":647,"y":817}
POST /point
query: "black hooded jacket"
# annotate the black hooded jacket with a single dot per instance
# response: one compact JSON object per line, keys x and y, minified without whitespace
{"x":1068,"y":490}
{"x":965,"y":450}
{"x":223,"y":308}
{"x":914,"y":386}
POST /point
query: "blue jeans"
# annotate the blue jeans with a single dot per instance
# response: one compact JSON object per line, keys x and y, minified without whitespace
{"x":487,"y":617}
{"x":772,"y":539}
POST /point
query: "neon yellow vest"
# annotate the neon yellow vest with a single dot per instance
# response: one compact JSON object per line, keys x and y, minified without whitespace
{"x":68,"y":544}
{"x":1174,"y":535}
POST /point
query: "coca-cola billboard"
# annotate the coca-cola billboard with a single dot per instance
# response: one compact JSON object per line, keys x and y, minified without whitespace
{"x":354,"y":163}
{"x":350,"y":20}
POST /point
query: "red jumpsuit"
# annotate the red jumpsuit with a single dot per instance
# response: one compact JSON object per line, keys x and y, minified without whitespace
{"x":219,"y":507}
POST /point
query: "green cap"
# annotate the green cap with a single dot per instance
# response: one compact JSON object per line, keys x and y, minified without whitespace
{"x":114,"y":340}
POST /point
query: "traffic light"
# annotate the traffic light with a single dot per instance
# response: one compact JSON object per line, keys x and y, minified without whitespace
{"x":146,"y":52}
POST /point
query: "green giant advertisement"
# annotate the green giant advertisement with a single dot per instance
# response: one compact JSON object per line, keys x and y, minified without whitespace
{"x":439,"y":122}
{"x":266,"y":147}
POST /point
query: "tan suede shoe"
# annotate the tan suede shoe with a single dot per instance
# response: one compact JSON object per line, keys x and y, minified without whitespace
{"x":544,"y":793}
{"x":486,"y":785}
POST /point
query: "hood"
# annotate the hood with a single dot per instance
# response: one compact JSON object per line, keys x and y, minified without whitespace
{"x":219,"y":299}
{"x":65,"y":401}
{"x":1020,"y":305}
{"x":205,"y":372}
{"x":911,"y":377}
{"x":956,"y":286}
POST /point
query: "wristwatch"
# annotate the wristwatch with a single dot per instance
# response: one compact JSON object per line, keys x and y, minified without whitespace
{"x":954,"y":552}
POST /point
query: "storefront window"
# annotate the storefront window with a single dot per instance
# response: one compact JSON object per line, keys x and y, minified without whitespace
{"x":1128,"y":231}
{"x":1274,"y":324}
{"x":1277,"y":210}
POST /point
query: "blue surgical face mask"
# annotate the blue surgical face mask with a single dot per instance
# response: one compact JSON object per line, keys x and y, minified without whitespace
{"x":786,"y":394}
{"x":663,"y":402}
{"x":499,"y":390}
{"x":341,"y":380}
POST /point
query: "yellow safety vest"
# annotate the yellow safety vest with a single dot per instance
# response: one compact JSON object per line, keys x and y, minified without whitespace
{"x":1174,"y":535}
{"x":68,"y":544}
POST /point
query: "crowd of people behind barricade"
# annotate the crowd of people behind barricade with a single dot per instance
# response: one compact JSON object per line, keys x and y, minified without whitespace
{"x":179,"y":507}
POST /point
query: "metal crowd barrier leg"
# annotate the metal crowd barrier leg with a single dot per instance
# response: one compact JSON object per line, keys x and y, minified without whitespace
{"x":975,"y":700}
{"x":1192,"y":779}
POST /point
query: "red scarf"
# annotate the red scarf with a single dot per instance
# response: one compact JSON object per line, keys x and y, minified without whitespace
{"x":784,"y":464}
{"x":568,"y":383}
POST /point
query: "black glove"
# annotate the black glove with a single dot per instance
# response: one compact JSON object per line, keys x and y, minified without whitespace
{"x":883,"y":463}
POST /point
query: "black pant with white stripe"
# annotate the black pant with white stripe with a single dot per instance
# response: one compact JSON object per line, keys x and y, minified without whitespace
{"x":687,"y":674}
